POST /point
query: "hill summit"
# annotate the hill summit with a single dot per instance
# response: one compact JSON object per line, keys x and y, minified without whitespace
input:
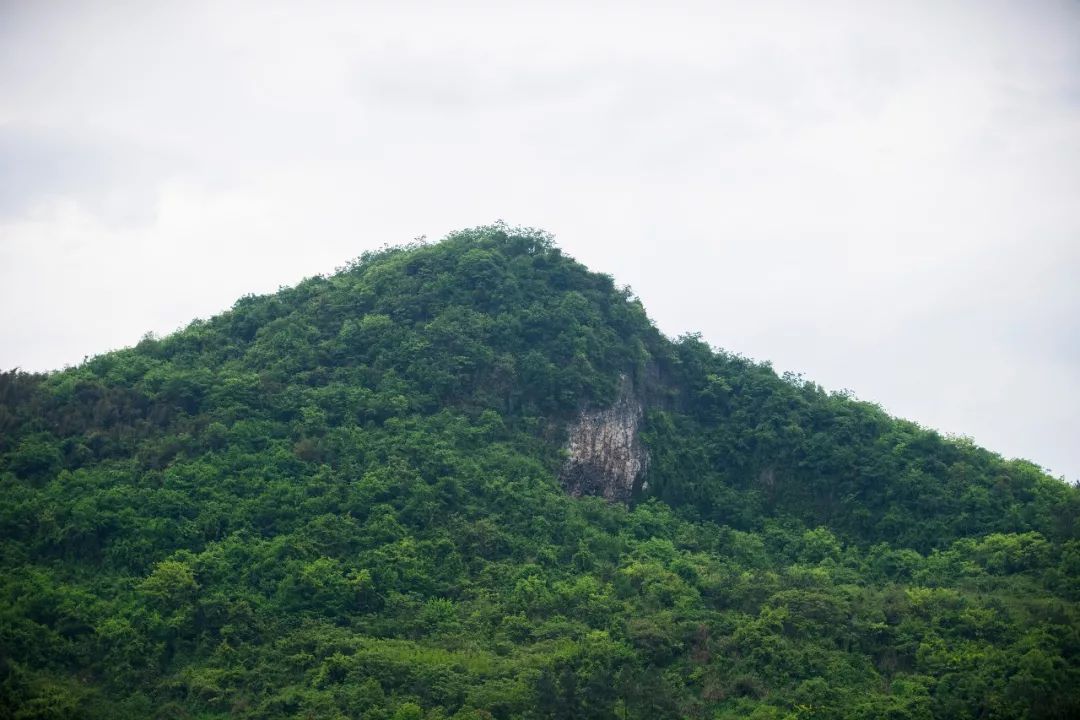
{"x":471,"y":479}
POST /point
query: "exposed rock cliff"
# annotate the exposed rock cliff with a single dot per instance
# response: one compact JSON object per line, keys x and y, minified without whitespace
{"x":606,"y":456}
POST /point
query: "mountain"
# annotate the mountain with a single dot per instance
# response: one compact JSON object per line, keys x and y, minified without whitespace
{"x":471,"y":479}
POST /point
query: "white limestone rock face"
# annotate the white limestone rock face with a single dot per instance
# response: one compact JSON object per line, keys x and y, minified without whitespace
{"x":605,"y":454}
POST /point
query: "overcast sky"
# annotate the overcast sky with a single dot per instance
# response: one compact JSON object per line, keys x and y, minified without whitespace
{"x":884,"y":197}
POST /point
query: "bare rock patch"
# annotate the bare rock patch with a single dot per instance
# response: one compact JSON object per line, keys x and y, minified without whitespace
{"x":606,"y":457}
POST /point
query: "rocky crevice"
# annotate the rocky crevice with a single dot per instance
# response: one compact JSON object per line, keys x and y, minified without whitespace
{"x":606,"y":457}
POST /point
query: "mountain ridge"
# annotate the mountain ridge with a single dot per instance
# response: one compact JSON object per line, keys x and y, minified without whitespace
{"x":385,"y":470}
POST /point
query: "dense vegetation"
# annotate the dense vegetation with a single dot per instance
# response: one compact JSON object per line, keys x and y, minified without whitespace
{"x":342,"y":500}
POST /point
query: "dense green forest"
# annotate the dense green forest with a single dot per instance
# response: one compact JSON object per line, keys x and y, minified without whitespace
{"x":343,"y":500}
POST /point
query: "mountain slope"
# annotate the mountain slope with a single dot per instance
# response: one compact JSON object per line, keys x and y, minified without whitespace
{"x":347,"y":499}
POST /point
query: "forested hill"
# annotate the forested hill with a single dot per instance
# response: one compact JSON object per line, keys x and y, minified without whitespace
{"x":351,"y":499}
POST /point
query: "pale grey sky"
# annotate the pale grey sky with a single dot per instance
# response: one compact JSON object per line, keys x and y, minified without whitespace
{"x":883,"y":196}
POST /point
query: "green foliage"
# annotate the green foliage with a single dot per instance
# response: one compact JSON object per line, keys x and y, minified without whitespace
{"x":341,"y":500}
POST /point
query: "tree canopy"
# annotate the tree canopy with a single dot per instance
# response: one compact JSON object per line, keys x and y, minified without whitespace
{"x":341,"y":500}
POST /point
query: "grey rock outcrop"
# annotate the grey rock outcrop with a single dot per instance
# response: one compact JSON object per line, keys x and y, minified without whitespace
{"x":606,"y":457}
